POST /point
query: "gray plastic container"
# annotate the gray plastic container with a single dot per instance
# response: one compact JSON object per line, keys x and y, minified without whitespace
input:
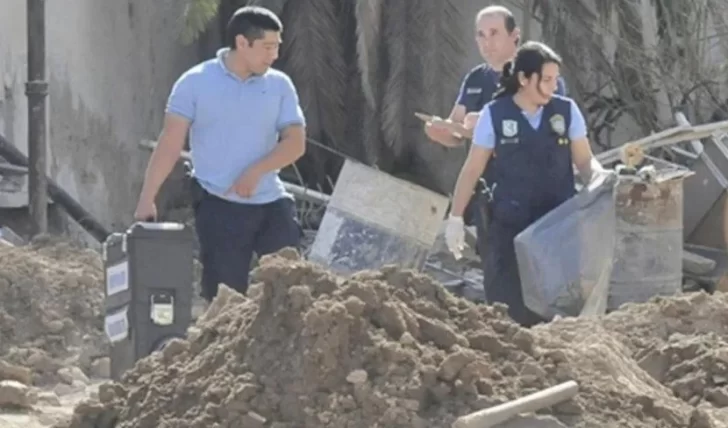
{"x":563,"y":255}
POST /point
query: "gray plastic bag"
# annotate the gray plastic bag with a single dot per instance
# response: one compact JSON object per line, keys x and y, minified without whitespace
{"x":563,"y":255}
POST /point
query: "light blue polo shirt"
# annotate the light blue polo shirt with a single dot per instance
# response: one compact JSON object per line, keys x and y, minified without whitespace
{"x":234,"y":123}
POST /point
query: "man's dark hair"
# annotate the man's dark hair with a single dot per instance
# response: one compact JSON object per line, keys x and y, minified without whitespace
{"x":251,"y":22}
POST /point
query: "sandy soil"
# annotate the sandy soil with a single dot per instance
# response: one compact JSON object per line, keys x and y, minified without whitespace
{"x":384,"y":348}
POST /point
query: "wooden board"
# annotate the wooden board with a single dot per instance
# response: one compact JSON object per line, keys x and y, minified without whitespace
{"x":458,"y":129}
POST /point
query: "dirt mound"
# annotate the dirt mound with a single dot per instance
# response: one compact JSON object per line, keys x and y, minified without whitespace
{"x":50,"y":307}
{"x":385,"y":348}
{"x":675,"y":350}
{"x":682,"y":342}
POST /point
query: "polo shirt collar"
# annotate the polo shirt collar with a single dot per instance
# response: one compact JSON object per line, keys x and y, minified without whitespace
{"x":221,"y":55}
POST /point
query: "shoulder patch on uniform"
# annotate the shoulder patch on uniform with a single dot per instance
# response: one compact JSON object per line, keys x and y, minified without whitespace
{"x":510,"y":128}
{"x":558,"y":124}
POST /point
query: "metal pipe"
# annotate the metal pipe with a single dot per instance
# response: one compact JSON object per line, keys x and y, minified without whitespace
{"x":8,"y":169}
{"x":36,"y":89}
{"x":73,"y":208}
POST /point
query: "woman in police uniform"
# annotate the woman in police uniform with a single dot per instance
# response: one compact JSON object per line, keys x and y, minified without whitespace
{"x":536,"y":136}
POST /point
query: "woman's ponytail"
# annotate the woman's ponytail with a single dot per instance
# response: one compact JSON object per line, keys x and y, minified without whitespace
{"x":508,"y":84}
{"x":507,"y":70}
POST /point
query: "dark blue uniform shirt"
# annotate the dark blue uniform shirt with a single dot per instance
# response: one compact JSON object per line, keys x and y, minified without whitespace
{"x":479,"y":85}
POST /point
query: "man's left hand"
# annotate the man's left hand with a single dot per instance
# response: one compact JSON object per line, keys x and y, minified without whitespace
{"x":246,"y":184}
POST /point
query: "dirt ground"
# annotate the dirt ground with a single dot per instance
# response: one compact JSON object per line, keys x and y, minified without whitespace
{"x":52,"y":346}
{"x":380,"y":349}
{"x":52,"y":304}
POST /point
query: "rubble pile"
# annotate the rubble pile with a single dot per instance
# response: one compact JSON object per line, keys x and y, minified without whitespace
{"x":391,"y":348}
{"x":51,"y":322}
{"x":682,"y":342}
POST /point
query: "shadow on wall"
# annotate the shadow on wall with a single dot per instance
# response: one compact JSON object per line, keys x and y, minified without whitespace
{"x":91,"y":162}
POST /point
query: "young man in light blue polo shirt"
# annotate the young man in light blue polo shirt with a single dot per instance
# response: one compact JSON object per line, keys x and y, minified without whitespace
{"x":245,"y":124}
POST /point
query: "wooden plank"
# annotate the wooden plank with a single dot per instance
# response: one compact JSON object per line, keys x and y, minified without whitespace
{"x":493,"y":416}
{"x":457,"y":129}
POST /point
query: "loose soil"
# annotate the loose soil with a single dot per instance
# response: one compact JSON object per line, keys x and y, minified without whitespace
{"x":50,"y":307}
{"x":393,"y":349}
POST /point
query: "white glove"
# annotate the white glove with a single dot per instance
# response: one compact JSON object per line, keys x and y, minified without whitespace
{"x":599,"y":176}
{"x":455,"y":236}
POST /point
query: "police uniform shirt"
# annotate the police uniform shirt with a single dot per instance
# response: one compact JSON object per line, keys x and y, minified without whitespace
{"x":536,"y":149}
{"x":484,"y":132}
{"x":480,"y":84}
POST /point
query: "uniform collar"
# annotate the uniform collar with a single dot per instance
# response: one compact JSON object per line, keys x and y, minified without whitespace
{"x":538,"y":111}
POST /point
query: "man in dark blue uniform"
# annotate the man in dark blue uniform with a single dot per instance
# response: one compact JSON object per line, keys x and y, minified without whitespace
{"x":536,"y":137}
{"x":497,"y":37}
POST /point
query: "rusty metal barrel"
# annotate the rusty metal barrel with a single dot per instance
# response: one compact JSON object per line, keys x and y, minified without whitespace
{"x":649,"y":240}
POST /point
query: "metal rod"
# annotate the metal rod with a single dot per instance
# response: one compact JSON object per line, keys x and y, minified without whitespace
{"x":8,"y":169}
{"x":300,"y":191}
{"x":678,"y":134}
{"x":681,"y":120}
{"x":36,"y":89}
{"x":73,"y":208}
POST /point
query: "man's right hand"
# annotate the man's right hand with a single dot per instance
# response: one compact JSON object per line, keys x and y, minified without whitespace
{"x":145,"y":211}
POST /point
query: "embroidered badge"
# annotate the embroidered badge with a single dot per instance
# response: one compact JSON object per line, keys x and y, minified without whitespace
{"x":510,"y":128}
{"x":558,"y":124}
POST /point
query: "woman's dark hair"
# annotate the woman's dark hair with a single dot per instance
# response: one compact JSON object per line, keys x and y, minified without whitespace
{"x":530,"y":59}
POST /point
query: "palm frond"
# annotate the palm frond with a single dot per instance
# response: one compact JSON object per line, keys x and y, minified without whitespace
{"x":444,"y":65}
{"x":315,"y":60}
{"x":394,"y":106}
{"x":446,"y":53}
{"x":197,"y":15}
{"x":275,"y":6}
{"x":368,"y":30}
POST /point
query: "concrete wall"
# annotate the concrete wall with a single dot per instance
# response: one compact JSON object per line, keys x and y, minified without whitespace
{"x":110,"y":66}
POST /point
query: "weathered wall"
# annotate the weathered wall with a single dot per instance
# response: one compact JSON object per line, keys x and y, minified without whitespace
{"x":110,"y":66}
